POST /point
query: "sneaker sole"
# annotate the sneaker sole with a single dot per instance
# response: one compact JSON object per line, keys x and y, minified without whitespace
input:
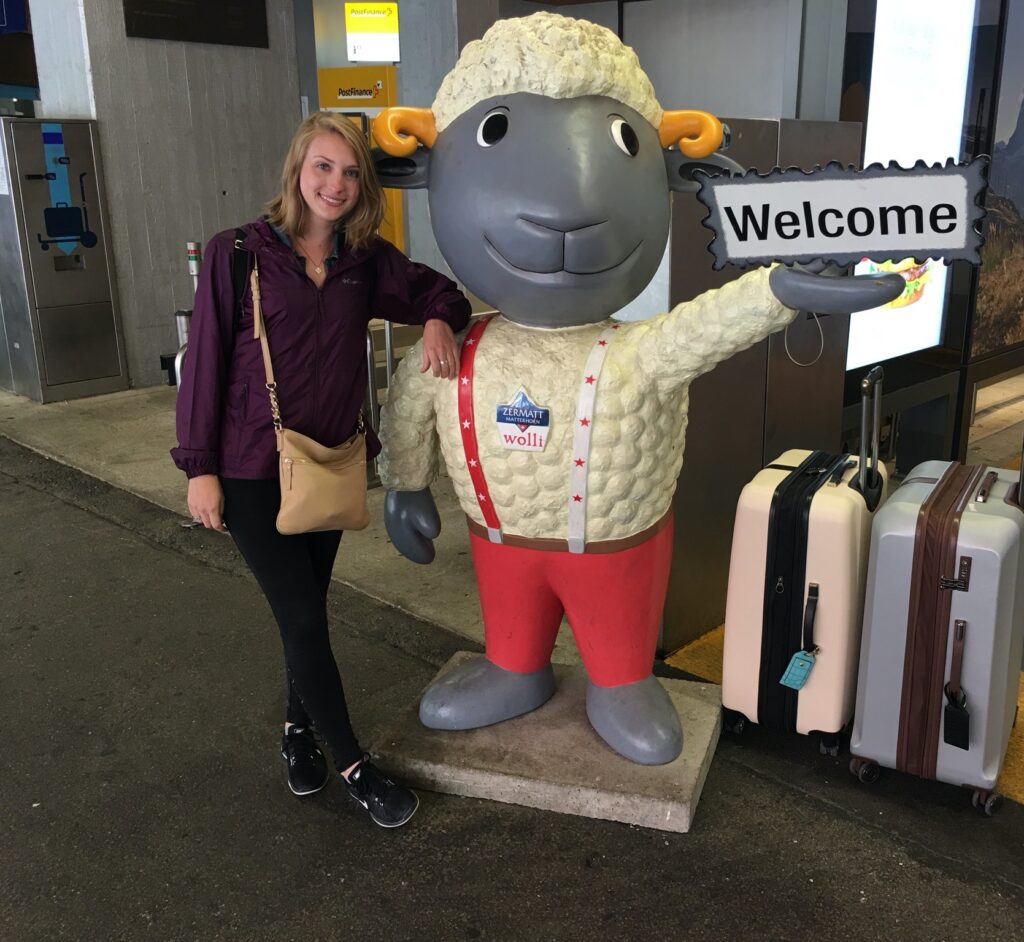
{"x":397,"y":824}
{"x":312,"y":791}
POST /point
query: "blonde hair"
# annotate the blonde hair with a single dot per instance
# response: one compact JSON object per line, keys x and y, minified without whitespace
{"x":546,"y":54}
{"x":287,"y":210}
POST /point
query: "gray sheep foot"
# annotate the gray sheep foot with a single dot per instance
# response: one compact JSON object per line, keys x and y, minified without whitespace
{"x":479,"y":693}
{"x":638,"y":720}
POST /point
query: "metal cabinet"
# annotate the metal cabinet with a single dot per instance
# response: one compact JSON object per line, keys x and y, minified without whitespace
{"x":61,"y":335}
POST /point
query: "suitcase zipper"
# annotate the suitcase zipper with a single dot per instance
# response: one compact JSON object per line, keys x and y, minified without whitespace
{"x":786,"y":566}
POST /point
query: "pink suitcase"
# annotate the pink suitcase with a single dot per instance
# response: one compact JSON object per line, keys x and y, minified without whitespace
{"x":796,"y":587}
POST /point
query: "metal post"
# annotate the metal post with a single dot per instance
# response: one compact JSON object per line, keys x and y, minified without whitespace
{"x":182,"y":319}
{"x":195,"y":260}
{"x":373,"y":478}
{"x":389,"y":352}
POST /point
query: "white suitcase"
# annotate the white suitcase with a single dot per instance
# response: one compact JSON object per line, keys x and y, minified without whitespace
{"x":943,"y":629}
{"x":796,"y":587}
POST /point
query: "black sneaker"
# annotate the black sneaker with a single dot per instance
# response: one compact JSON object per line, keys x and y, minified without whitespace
{"x":390,"y":805}
{"x":307,"y":767}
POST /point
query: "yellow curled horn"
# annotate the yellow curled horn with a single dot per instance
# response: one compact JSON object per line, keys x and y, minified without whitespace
{"x":697,"y":133}
{"x":398,"y":131}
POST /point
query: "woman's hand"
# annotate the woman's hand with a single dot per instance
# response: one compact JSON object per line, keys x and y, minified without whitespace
{"x":206,"y":500}
{"x":440,"y":351}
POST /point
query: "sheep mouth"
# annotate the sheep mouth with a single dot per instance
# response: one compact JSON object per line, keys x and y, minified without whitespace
{"x":560,"y":275}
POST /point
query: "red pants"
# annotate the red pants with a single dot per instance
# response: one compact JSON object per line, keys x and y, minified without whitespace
{"x":613,"y":603}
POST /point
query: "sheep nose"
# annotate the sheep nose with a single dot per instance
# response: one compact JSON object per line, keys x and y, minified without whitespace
{"x":531,"y":245}
{"x":596,"y":248}
{"x":552,"y":246}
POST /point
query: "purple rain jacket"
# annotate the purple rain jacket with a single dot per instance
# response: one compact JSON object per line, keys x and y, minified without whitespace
{"x":317,"y":339}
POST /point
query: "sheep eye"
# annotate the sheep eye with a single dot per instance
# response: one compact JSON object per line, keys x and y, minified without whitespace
{"x":492,"y":129}
{"x":625,"y":137}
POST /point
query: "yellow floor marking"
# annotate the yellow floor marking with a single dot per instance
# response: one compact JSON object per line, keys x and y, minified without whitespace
{"x":703,"y":658}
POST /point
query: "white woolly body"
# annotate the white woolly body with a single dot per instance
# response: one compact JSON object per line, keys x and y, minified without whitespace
{"x":639,"y":422}
{"x":546,"y":54}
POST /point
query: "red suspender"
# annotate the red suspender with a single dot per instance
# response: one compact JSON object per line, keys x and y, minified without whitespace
{"x":467,"y":425}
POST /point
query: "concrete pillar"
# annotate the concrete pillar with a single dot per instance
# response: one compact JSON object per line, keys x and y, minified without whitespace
{"x":62,"y":59}
{"x":822,"y":47}
{"x":192,"y":136}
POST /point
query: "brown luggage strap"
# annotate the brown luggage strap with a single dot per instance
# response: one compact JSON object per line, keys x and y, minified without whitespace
{"x":935,"y":574}
{"x":956,"y":667}
{"x":957,"y":721}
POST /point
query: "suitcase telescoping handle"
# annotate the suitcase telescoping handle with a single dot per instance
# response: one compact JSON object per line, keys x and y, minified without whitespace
{"x":870,"y":394}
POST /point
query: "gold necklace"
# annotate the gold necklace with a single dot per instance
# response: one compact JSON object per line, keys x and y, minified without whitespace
{"x":318,"y":269}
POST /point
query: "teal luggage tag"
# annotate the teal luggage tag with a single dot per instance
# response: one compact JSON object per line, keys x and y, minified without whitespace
{"x":799,"y":670}
{"x":802,"y":663}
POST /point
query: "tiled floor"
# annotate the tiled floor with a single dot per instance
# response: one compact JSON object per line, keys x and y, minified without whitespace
{"x":998,"y":429}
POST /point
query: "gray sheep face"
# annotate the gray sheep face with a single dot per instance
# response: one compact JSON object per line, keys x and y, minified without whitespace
{"x":556,"y":212}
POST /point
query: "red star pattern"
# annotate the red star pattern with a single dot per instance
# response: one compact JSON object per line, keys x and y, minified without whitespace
{"x":580,"y":462}
{"x":602,"y":343}
{"x":577,"y":498}
{"x":590,"y":380}
{"x":584,"y":422}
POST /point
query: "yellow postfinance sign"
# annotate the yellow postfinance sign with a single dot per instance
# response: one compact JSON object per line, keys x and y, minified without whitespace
{"x":372,"y":32}
{"x":359,"y":86}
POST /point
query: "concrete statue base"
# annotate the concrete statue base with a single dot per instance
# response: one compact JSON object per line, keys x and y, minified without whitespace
{"x":551,"y":758}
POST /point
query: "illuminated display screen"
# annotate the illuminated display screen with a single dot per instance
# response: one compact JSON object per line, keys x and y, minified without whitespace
{"x":919,"y":72}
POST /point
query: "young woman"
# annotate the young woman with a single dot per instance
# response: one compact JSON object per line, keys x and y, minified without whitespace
{"x":324,"y":273}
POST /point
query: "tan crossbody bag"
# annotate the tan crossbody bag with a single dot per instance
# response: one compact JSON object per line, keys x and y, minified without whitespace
{"x":321,"y":488}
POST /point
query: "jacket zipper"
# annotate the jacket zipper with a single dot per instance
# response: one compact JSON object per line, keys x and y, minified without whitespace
{"x":316,"y":354}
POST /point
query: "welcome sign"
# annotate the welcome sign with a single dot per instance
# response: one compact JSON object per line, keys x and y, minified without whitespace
{"x":843,"y":215}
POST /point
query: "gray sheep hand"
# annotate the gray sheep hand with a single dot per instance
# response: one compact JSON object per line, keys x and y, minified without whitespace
{"x":811,"y":288}
{"x":413,"y":523}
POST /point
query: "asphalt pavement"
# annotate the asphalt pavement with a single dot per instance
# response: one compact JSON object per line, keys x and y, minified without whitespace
{"x":143,"y":795}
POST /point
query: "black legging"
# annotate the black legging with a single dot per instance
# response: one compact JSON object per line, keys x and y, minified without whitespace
{"x":294,"y":573}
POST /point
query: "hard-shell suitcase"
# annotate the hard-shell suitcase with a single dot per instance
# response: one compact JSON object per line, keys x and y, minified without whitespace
{"x":944,"y":629}
{"x":796,"y":587}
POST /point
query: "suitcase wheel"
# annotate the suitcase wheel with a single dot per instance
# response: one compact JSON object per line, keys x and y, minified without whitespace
{"x":865,"y":771}
{"x":733,"y":722}
{"x":829,"y":744}
{"x":988,"y":803}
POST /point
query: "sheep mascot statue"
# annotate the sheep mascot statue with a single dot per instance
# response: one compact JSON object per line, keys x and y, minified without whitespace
{"x":549,"y":165}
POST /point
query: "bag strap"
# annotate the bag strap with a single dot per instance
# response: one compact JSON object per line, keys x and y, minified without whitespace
{"x":261,"y":335}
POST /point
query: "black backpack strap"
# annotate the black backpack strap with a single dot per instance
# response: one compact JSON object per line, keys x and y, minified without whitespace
{"x":239,"y":274}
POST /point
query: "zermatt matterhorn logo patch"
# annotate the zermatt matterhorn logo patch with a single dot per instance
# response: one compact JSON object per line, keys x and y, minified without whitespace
{"x":522,"y":424}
